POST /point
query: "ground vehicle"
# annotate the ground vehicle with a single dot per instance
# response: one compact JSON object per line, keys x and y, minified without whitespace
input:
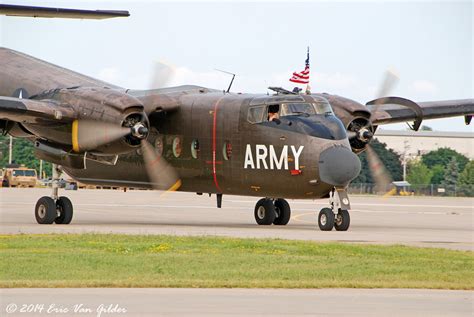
{"x":19,"y":176}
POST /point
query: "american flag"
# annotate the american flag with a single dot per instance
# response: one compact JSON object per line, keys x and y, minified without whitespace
{"x":303,"y":76}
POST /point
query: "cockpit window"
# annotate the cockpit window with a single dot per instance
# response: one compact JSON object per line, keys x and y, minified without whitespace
{"x":290,"y":109}
{"x":323,"y":107}
{"x":256,"y":114}
{"x":318,"y":107}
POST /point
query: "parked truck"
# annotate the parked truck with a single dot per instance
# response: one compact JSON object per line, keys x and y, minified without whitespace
{"x":19,"y":176}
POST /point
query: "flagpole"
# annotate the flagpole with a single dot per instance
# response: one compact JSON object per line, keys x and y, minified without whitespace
{"x":308,"y":87}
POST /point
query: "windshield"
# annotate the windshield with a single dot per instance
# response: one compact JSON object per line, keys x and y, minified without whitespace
{"x":24,"y":173}
{"x":31,"y":173}
{"x":318,"y":107}
{"x":18,"y":173}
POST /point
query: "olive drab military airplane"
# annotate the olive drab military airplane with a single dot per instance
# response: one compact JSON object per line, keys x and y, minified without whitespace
{"x":196,"y":139}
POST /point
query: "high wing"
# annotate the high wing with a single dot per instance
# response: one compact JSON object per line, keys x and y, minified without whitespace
{"x":45,"y":12}
{"x":32,"y":111}
{"x":395,"y":109}
{"x":19,"y":70}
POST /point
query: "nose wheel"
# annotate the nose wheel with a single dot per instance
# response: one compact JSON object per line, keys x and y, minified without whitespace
{"x":337,"y":216}
{"x":268,"y":211}
{"x":54,"y":209}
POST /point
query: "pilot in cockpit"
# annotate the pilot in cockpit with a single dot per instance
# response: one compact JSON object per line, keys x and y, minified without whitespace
{"x":273,"y":112}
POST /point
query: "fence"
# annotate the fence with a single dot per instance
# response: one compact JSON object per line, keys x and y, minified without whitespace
{"x":422,"y":190}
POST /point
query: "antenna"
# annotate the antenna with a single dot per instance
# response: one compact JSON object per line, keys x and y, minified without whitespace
{"x":228,"y":73}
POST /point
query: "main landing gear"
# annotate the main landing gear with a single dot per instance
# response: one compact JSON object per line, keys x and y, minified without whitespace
{"x":338,"y":215}
{"x":269,"y":211}
{"x":54,"y":209}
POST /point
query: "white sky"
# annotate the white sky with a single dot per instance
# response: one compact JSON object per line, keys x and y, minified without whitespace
{"x":352,"y":43}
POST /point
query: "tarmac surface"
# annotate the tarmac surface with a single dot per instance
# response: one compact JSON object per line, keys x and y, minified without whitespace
{"x":235,"y":302}
{"x":445,"y":222}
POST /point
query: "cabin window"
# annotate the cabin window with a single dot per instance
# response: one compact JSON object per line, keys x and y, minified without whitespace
{"x":177,"y":147}
{"x":227,"y":150}
{"x":256,"y":114}
{"x":159,"y":146}
{"x":195,"y":149}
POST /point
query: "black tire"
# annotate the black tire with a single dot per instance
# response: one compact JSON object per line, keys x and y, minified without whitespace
{"x":45,"y":210}
{"x":5,"y":183}
{"x":282,"y":212}
{"x":326,"y":219}
{"x":65,"y":210}
{"x":265,"y":212}
{"x":342,"y":221}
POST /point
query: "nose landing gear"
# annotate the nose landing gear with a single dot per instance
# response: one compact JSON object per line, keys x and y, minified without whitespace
{"x":338,"y":215}
{"x":54,"y":209}
{"x":269,"y":211}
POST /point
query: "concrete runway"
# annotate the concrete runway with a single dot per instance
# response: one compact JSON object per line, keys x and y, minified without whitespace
{"x":419,"y":221}
{"x":236,"y":302}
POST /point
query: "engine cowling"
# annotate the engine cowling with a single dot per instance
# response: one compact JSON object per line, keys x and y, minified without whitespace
{"x":107,"y":121}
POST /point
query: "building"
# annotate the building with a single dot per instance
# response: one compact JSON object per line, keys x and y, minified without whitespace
{"x":413,"y":144}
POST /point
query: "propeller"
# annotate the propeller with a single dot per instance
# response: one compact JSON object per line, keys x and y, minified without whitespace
{"x":89,"y":134}
{"x":162,"y":175}
{"x":390,"y":80}
{"x":379,"y":172}
{"x":163,"y":74}
{"x":365,"y":132}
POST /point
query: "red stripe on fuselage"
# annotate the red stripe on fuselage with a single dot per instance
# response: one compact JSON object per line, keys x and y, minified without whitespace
{"x":214,"y":132}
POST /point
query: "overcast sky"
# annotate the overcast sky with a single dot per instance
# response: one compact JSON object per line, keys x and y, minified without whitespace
{"x":352,"y":43}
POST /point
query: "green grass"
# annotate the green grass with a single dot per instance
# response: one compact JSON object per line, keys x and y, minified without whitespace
{"x":93,"y":260}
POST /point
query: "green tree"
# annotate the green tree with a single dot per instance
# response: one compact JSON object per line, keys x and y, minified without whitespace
{"x":419,"y":175}
{"x":390,"y":159}
{"x":443,"y":156}
{"x":451,"y":174}
{"x":438,"y":174}
{"x":23,"y":153}
{"x":466,"y":179}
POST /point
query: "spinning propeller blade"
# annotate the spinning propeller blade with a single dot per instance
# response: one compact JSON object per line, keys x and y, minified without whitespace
{"x":162,"y":175}
{"x":88,"y":134}
{"x":390,"y":80}
{"x":163,"y":74}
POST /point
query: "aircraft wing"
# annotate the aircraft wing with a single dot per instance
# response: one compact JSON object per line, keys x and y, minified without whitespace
{"x":45,"y":12}
{"x":395,"y":109}
{"x":34,"y":76}
{"x":33,"y":111}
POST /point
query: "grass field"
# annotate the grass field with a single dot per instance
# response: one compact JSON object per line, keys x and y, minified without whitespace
{"x":93,"y":260}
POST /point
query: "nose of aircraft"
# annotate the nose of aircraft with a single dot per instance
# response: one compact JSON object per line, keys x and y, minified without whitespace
{"x":338,"y":166}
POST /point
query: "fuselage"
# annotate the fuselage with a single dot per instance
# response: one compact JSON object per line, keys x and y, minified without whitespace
{"x":224,"y":143}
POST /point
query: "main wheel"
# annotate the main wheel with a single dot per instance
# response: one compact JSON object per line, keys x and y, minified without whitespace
{"x":342,"y":221}
{"x":64,"y":207}
{"x":265,"y":212}
{"x":282,"y":212}
{"x":45,"y":210}
{"x":326,"y":219}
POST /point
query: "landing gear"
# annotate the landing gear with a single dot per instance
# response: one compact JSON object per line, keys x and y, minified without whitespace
{"x":338,"y":215}
{"x":269,"y":211}
{"x":45,"y":211}
{"x":342,"y":221}
{"x":265,"y":212}
{"x":282,"y":211}
{"x":326,"y":219}
{"x":54,"y":209}
{"x":64,"y":210}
